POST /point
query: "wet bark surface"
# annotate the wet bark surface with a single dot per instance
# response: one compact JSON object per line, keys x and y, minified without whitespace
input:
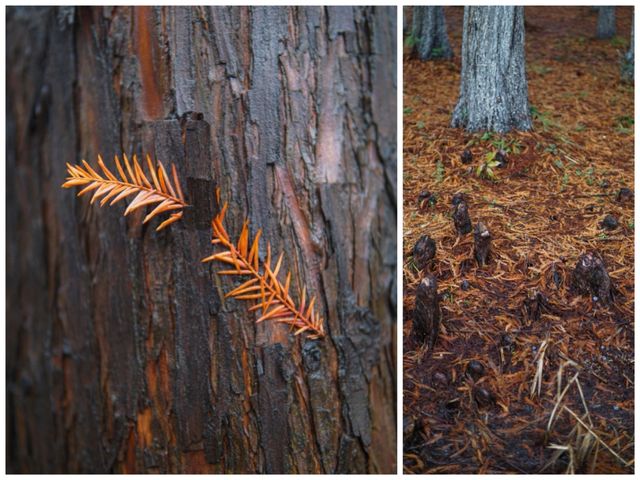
{"x":426,"y":315}
{"x":481,"y":243}
{"x":590,"y":277}
{"x":122,"y":353}
{"x":424,"y":251}
{"x":461,"y":219}
{"x":493,"y":85}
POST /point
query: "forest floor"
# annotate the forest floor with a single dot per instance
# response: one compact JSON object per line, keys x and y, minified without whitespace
{"x":558,"y":379}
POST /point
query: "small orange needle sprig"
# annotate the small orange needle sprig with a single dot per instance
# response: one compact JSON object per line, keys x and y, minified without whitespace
{"x":272,"y":296}
{"x":161,"y":192}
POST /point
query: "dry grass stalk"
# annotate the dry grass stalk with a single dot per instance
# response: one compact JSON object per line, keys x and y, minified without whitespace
{"x":263,"y":286}
{"x":536,"y":384}
{"x":582,"y":442}
{"x":562,"y":392}
{"x":597,"y":438}
{"x":159,"y":190}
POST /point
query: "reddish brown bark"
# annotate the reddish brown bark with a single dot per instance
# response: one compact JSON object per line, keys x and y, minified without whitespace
{"x":123,"y":354}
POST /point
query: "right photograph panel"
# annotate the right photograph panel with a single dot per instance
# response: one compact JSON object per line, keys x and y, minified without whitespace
{"x":518,"y":268}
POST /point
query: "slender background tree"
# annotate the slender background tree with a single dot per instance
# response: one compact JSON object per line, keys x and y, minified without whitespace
{"x":493,"y":84}
{"x":429,"y":33}
{"x":606,"y":26}
{"x":628,"y":60}
{"x":122,"y":353}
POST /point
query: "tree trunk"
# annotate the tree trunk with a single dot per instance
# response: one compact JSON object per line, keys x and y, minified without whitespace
{"x":123,"y":354}
{"x":405,"y":18}
{"x":430,"y":33}
{"x":628,"y":61}
{"x":606,"y":26}
{"x":493,"y":83}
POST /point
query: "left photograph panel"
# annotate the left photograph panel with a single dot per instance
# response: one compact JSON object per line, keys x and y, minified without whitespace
{"x":201,"y":240}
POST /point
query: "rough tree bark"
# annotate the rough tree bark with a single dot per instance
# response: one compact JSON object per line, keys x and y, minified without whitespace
{"x":606,"y":26}
{"x":590,"y":277}
{"x":493,"y":82}
{"x":429,"y":31}
{"x":424,"y":251}
{"x":122,"y":353}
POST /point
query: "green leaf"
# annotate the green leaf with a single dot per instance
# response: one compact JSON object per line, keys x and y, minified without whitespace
{"x":411,"y":40}
{"x":486,"y":136}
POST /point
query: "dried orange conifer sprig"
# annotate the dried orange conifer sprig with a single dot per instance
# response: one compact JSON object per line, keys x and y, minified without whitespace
{"x":273,"y":298}
{"x":158,"y":191}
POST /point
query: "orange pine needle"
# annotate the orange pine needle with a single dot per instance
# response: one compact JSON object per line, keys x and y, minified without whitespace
{"x":110,"y":187}
{"x":272,"y":296}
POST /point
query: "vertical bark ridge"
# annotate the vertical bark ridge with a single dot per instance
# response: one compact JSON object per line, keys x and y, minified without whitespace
{"x":135,"y":361}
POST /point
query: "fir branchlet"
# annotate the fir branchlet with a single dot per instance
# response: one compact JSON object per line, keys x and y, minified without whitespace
{"x":263,"y":286}
{"x":132,"y":180}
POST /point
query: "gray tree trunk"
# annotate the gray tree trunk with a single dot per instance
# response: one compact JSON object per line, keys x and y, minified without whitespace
{"x":430,"y":33}
{"x":628,"y":61}
{"x":405,"y":17}
{"x":606,"y":27}
{"x":416,"y":25}
{"x":493,"y":84}
{"x":122,"y":353}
